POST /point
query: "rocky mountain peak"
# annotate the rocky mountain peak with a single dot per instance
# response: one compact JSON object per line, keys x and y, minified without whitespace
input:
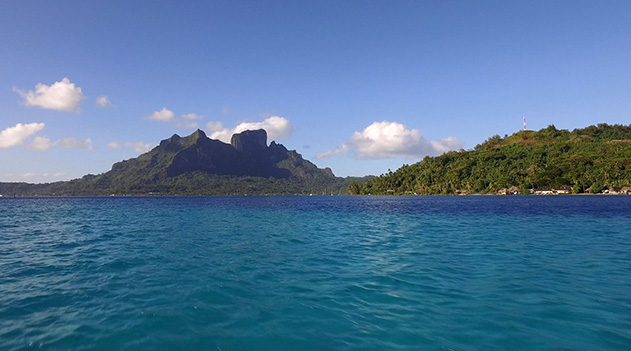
{"x":250,"y":141}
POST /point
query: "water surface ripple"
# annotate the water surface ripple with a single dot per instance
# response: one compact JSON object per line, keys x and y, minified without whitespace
{"x":316,"y":273}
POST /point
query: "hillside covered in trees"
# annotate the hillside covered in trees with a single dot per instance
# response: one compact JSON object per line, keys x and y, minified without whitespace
{"x":594,"y":158}
{"x":198,"y":165}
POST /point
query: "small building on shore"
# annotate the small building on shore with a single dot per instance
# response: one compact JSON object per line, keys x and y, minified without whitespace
{"x":564,"y":190}
{"x":510,"y":191}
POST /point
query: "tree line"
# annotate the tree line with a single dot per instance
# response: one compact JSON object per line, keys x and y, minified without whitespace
{"x":593,"y":158}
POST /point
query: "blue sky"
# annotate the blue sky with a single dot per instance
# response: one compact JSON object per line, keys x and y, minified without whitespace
{"x":358,"y":86}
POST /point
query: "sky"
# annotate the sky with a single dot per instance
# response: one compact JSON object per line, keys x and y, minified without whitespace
{"x":358,"y":86}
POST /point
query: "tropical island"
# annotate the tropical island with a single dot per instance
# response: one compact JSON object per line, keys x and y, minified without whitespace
{"x":592,"y":160}
{"x":198,"y":165}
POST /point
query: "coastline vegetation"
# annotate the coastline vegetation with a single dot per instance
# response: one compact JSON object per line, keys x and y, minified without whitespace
{"x":197,"y":165}
{"x":590,"y":159}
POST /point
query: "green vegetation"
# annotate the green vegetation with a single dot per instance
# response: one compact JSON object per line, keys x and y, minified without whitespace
{"x":194,"y":183}
{"x":196,"y":165}
{"x":596,"y":157}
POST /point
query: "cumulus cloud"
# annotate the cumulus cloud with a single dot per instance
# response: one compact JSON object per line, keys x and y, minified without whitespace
{"x":214,"y":126}
{"x":448,"y":144}
{"x":44,"y":143}
{"x":16,"y":135}
{"x":163,"y":115}
{"x":392,"y":140}
{"x":188,"y":121}
{"x":275,"y":126}
{"x":41,"y":143}
{"x":342,"y":149}
{"x":60,"y":96}
{"x":72,"y":143}
{"x":192,"y":116}
{"x":186,"y":124}
{"x":103,"y":101}
{"x":141,"y":147}
{"x":138,"y":147}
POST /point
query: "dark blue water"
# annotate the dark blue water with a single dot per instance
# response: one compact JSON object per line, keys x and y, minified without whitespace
{"x":316,"y":273}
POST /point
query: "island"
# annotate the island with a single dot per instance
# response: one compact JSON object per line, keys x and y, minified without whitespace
{"x":591,"y":160}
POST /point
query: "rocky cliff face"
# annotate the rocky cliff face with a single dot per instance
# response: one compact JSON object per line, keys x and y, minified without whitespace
{"x":250,"y":141}
{"x":246,"y":155}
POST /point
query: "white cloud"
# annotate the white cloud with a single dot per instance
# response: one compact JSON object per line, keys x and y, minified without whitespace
{"x":163,"y":115}
{"x":187,"y":124}
{"x":138,"y":147}
{"x":214,"y":126}
{"x":44,"y":143}
{"x":187,"y":121}
{"x":342,"y":149}
{"x":16,"y":135}
{"x":448,"y":144}
{"x":41,"y":143}
{"x":103,"y":101}
{"x":72,"y":143}
{"x":60,"y":96}
{"x":392,"y":140}
{"x":275,"y":126}
{"x":192,"y":116}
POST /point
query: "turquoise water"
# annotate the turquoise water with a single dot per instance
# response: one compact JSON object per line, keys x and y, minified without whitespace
{"x":316,"y":273}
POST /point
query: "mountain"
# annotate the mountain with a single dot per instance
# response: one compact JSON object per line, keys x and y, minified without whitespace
{"x":198,"y":165}
{"x":592,"y":158}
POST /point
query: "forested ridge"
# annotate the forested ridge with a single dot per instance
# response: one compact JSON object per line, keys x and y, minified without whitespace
{"x":593,"y":158}
{"x":197,"y":165}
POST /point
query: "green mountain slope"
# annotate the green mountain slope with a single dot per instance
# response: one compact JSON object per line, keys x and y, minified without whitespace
{"x":595,"y":157}
{"x":197,"y":165}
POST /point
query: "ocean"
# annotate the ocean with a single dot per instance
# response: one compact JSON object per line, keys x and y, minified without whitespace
{"x":316,"y":273}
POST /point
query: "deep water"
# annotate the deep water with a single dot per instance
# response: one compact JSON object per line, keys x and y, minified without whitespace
{"x":316,"y":273}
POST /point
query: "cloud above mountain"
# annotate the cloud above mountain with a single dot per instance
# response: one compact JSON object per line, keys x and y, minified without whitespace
{"x":17,"y":134}
{"x":186,"y":121}
{"x":164,"y":115}
{"x":61,"y":96}
{"x":138,"y":147}
{"x":192,"y":116}
{"x":391,"y":140}
{"x":276,"y":127}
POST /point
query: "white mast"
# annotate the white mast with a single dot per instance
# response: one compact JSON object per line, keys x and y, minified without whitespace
{"x":524,"y":122}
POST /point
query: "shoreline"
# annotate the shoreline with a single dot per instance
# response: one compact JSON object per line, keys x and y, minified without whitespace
{"x":4,"y":196}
